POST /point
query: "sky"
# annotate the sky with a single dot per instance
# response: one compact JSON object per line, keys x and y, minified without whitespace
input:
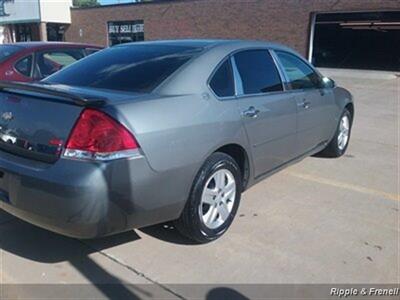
{"x":103,"y":2}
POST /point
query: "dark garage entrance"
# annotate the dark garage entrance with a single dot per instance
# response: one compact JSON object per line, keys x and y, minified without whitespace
{"x":369,"y":40}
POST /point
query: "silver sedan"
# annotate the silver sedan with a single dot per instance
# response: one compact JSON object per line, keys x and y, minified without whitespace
{"x":150,"y":132}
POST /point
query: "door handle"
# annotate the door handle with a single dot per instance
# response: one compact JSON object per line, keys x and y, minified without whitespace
{"x":305,"y":104}
{"x":251,"y":112}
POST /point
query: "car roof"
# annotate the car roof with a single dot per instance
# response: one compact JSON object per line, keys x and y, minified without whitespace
{"x":186,"y":80}
{"x":208,"y":43}
{"x":41,"y":45}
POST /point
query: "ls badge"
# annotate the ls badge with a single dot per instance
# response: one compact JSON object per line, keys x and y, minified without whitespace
{"x":7,"y":116}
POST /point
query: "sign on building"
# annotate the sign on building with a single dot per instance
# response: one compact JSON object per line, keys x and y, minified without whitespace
{"x":120,"y":32}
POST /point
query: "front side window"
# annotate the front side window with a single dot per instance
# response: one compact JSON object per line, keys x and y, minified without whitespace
{"x":258,"y":72}
{"x":24,"y":66}
{"x":300,"y":75}
{"x":222,"y":82}
{"x":132,"y":68}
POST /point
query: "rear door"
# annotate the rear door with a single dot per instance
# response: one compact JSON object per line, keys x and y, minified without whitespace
{"x":268,"y":113}
{"x":315,"y":105}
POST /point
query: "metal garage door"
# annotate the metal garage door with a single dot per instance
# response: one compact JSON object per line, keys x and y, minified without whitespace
{"x":362,"y":40}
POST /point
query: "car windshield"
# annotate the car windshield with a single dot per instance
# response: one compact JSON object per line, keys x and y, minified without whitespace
{"x":133,"y":68}
{"x":7,"y":50}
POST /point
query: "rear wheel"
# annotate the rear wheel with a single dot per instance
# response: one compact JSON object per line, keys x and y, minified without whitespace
{"x":338,"y":145}
{"x":214,"y":200}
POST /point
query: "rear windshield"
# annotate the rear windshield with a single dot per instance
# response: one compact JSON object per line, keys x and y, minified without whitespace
{"x":134,"y":68}
{"x":7,"y":50}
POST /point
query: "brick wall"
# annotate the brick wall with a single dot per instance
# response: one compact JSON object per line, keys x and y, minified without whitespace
{"x":284,"y":21}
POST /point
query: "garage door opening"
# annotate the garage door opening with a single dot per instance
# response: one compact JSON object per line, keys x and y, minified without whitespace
{"x":369,"y":40}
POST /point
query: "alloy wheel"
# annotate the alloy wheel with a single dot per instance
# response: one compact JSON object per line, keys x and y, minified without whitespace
{"x":344,"y":129}
{"x":217,"y":199}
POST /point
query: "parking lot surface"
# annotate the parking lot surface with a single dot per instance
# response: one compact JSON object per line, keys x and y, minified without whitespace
{"x":319,"y":221}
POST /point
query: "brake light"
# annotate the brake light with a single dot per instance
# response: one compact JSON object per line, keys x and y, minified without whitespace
{"x":97,"y":136}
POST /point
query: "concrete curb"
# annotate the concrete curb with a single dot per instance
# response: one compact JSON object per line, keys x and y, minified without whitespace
{"x":366,"y":74}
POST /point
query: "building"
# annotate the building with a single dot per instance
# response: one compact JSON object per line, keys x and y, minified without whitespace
{"x":341,"y":33}
{"x":33,"y":20}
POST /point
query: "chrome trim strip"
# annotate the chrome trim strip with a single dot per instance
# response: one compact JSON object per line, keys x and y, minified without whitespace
{"x":212,"y":75}
{"x":237,"y":78}
{"x":311,"y":37}
{"x":100,"y":156}
{"x":281,"y":71}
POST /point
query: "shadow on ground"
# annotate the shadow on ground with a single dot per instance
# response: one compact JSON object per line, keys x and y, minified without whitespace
{"x":36,"y":244}
{"x":39,"y":245}
{"x":167,"y":233}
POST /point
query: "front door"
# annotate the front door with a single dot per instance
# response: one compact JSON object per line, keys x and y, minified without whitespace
{"x":268,"y":113}
{"x":315,"y":105}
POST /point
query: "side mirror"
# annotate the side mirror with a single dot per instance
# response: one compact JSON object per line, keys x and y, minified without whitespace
{"x":328,"y":83}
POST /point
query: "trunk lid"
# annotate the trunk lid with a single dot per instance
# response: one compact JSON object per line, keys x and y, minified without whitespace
{"x":33,"y":128}
{"x":36,"y":120}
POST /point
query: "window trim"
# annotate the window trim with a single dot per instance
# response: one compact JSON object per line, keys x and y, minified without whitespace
{"x":287,"y":88}
{"x":238,"y":80}
{"x":242,"y":94}
{"x":289,"y":85}
{"x":32,"y":65}
{"x":215,"y":70}
{"x":208,"y":83}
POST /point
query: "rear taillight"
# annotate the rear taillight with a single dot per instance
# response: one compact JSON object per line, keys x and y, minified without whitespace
{"x":97,"y":136}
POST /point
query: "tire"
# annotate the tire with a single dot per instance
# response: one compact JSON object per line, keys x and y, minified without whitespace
{"x":337,"y":147}
{"x":209,"y":212}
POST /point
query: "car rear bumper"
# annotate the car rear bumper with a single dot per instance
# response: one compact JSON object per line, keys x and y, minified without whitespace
{"x":85,"y":199}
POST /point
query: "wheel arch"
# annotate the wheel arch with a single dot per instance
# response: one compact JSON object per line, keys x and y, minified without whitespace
{"x":350,"y":107}
{"x":239,"y":154}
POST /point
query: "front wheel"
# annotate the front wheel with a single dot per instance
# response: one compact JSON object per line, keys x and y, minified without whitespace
{"x":214,"y":200}
{"x":338,"y":145}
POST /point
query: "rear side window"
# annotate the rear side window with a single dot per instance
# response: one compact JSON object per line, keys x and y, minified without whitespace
{"x":133,"y":68}
{"x":91,"y":50}
{"x":222,"y":82}
{"x":258,"y":72}
{"x":24,"y":66}
{"x":301,"y":76}
{"x":64,"y":58}
{"x":49,"y":62}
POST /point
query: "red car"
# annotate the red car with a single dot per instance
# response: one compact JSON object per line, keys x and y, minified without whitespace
{"x":33,"y":61}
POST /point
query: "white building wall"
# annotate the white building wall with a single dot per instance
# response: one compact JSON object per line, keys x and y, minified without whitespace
{"x":30,"y":11}
{"x":55,"y":11}
{"x":20,"y":11}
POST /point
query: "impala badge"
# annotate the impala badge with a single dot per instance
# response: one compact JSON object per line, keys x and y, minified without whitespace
{"x":7,"y":116}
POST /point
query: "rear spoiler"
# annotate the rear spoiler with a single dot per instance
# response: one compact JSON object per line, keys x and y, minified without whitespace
{"x":16,"y":87}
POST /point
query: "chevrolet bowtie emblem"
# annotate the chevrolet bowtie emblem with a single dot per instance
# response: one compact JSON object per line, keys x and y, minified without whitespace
{"x":7,"y":116}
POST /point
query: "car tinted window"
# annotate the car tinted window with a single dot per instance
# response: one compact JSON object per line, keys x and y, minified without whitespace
{"x":91,"y":50}
{"x":222,"y":82}
{"x":136,"y":68}
{"x":258,"y":72}
{"x":301,"y":76}
{"x":24,"y":66}
{"x":48,"y":62}
{"x":8,"y":50}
